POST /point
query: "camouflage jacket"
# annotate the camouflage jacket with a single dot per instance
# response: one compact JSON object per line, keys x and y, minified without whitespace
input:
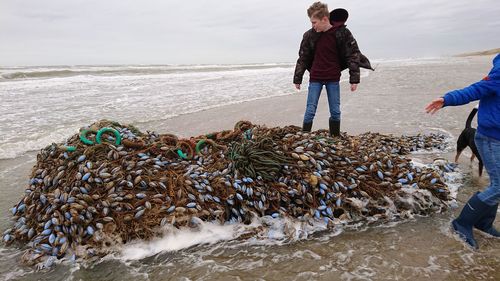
{"x":348,"y":50}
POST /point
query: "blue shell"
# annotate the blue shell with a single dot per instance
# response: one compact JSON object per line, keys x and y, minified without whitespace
{"x":139,"y":214}
{"x":261,"y":205}
{"x":52,"y":238}
{"x":46,"y":247}
{"x":86,"y":176}
{"x":317,"y":214}
{"x":47,"y":224}
{"x":338,"y":202}
{"x":403,"y":181}
{"x":90,"y":230}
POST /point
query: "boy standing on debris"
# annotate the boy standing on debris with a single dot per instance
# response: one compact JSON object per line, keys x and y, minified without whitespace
{"x":481,"y":209}
{"x":326,"y":50}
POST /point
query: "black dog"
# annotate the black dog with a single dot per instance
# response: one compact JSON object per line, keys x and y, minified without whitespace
{"x":466,"y":138}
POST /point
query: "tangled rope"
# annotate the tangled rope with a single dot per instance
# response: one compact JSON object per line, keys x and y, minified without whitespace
{"x":258,"y":158}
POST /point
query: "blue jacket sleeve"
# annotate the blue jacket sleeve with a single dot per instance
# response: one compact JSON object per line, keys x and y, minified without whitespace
{"x":474,"y":92}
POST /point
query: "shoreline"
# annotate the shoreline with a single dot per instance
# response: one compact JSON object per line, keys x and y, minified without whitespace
{"x":288,"y":109}
{"x":390,"y":100}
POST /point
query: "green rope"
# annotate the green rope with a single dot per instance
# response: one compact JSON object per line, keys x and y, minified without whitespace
{"x":105,"y":130}
{"x":253,"y":159}
{"x":83,"y":136}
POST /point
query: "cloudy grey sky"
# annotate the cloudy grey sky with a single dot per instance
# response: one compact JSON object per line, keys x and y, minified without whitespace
{"x":55,"y":32}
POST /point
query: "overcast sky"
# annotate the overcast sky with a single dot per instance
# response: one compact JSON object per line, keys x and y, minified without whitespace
{"x":34,"y":32}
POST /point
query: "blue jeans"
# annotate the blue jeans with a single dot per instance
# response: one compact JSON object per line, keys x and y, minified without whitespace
{"x":489,"y":149}
{"x":314,"y":91}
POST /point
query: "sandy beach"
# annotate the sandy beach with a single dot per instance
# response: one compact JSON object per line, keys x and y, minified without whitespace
{"x":386,"y":101}
{"x":390,"y":100}
{"x":164,"y":140}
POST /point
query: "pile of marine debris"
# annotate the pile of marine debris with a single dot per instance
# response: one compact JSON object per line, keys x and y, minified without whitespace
{"x":111,"y":183}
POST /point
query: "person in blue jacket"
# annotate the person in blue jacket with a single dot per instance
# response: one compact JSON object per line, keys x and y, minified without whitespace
{"x":481,"y":209}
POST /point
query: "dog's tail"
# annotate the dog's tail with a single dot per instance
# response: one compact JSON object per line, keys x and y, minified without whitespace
{"x":471,"y":116}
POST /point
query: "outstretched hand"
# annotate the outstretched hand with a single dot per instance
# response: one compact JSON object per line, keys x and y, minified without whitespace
{"x":434,"y":106}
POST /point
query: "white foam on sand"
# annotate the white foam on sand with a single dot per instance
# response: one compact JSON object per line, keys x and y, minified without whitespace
{"x":264,"y":231}
{"x":177,"y":239}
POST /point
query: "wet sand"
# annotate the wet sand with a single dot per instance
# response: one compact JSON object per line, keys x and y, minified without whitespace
{"x":390,"y":100}
{"x":386,"y":101}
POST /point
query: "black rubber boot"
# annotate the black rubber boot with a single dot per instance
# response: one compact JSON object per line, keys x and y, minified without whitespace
{"x":334,"y":127}
{"x":307,"y":126}
{"x":486,"y":223}
{"x":472,"y":213}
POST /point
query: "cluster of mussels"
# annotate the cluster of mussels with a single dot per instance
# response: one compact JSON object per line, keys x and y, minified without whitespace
{"x":80,"y":203}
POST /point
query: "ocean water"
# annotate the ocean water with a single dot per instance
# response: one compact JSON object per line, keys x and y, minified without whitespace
{"x":41,"y":105}
{"x":71,"y":97}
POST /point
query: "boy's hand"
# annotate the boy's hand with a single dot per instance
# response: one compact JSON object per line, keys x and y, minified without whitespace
{"x":354,"y":87}
{"x":297,"y":86}
{"x":434,"y":106}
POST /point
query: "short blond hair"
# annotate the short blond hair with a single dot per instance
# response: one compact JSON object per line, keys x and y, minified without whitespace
{"x":318,"y":10}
